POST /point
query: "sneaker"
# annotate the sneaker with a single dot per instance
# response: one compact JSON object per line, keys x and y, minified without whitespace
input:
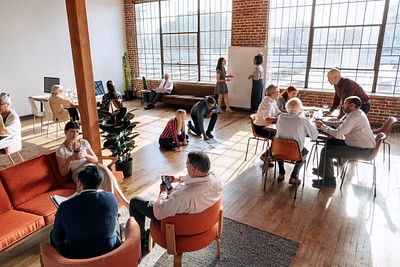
{"x":281,"y":177}
{"x":326,"y":182}
{"x":147,"y":107}
{"x":209,"y":134}
{"x":294,"y":181}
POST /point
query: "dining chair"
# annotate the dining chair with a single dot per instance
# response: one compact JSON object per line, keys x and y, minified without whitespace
{"x":48,"y":112}
{"x":188,"y":232}
{"x":386,"y":128}
{"x":380,"y":137}
{"x":36,"y":113}
{"x":287,"y":151}
{"x":15,"y":147}
{"x":255,"y":136}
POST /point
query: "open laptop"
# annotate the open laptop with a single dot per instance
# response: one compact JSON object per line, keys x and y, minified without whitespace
{"x":160,"y":90}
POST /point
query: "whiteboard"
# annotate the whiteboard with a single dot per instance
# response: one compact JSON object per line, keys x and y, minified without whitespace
{"x":240,"y":65}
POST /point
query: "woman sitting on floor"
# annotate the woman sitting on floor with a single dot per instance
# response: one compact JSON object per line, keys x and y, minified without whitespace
{"x":76,"y":153}
{"x":174,"y":135}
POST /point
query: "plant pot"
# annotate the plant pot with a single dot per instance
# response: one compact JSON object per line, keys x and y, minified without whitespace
{"x":128,"y":95}
{"x":125,"y":167}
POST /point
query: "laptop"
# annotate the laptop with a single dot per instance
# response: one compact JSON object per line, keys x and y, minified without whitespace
{"x":160,"y":90}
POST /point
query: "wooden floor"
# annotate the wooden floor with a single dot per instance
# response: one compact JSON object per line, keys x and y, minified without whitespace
{"x":334,"y":227}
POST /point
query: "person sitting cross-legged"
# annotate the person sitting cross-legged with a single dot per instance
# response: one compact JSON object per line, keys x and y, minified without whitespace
{"x":166,"y":87}
{"x":294,"y":126}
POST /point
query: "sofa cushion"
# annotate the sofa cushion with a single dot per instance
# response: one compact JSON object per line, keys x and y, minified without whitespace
{"x":15,"y":225}
{"x":54,"y":167}
{"x":43,"y":206}
{"x":28,"y":180}
{"x":4,"y":200}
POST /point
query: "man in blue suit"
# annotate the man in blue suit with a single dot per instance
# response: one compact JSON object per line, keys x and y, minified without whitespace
{"x":85,"y":225}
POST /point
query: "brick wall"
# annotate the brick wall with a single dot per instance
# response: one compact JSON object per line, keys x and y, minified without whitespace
{"x":249,"y":28}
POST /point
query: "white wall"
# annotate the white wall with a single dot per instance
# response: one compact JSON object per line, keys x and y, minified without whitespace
{"x":241,"y":65}
{"x":34,"y":43}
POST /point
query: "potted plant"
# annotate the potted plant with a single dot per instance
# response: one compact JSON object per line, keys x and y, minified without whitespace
{"x":126,"y":68}
{"x":119,"y":137}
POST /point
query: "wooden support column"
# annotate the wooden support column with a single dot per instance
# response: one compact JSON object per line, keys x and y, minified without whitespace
{"x":80,"y":45}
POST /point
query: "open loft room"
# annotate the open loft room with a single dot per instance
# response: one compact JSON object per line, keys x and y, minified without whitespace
{"x":268,"y":127}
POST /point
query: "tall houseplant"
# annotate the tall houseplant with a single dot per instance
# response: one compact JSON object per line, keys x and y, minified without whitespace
{"x":119,"y":137}
{"x":126,"y":68}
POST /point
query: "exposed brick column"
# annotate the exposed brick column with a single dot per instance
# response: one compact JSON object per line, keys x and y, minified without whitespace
{"x":131,"y":42}
{"x":249,"y":23}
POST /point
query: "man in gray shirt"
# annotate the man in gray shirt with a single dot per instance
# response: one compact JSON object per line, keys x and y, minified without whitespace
{"x":359,"y":140}
{"x":206,"y":108}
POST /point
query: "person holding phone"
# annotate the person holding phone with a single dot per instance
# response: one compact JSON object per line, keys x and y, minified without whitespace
{"x":76,"y":153}
{"x":194,"y":193}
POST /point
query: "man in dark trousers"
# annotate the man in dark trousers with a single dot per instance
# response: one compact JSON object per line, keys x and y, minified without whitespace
{"x":344,"y":88}
{"x":166,"y":87}
{"x":206,"y":108}
{"x":86,"y":224}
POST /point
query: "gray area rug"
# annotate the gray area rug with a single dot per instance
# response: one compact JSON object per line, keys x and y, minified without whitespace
{"x":241,"y":245}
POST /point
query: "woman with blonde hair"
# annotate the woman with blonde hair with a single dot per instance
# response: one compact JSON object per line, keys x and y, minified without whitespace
{"x":63,"y":109}
{"x":174,"y":135}
{"x":285,"y":96}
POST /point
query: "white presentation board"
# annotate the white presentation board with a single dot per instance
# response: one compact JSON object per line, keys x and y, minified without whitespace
{"x":240,"y":64}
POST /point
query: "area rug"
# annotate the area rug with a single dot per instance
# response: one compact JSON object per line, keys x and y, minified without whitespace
{"x":241,"y":245}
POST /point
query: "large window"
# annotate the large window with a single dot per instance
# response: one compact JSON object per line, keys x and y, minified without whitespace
{"x":307,"y":38}
{"x":184,"y":38}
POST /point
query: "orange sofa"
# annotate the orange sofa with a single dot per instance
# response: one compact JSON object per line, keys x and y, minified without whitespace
{"x":187,"y":94}
{"x":25,"y":191}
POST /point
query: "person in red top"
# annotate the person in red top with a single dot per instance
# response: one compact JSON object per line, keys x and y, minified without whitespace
{"x":344,"y":88}
{"x":174,"y":135}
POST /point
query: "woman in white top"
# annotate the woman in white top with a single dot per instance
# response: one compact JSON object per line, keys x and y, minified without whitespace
{"x":258,"y":82}
{"x":10,"y":123}
{"x":76,"y":153}
{"x":267,"y":111}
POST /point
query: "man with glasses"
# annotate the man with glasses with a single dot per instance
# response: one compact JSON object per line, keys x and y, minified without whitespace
{"x":344,"y":88}
{"x":195,"y":192}
{"x":166,"y":87}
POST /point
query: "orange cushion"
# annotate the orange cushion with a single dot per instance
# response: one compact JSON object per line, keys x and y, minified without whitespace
{"x":70,"y":185}
{"x":54,"y":167}
{"x":5,"y":202}
{"x":15,"y":225}
{"x":28,"y":180}
{"x":43,"y":206}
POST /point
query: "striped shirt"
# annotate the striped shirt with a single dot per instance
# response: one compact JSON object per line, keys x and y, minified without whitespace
{"x":171,"y":131}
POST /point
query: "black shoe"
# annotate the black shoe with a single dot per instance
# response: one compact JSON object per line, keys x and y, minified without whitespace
{"x":326,"y":182}
{"x":209,"y":134}
{"x":144,"y":242}
{"x":147,"y":107}
{"x":316,"y":172}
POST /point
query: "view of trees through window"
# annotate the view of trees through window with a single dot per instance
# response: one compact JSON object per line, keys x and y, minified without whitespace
{"x":184,"y":38}
{"x":305,"y":40}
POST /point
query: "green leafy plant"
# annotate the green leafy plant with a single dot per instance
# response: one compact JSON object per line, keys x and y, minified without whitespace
{"x":126,"y":68}
{"x":119,"y":135}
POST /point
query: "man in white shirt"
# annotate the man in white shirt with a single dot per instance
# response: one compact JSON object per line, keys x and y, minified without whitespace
{"x":196,"y":191}
{"x":166,"y":87}
{"x":294,"y":126}
{"x":359,"y":140}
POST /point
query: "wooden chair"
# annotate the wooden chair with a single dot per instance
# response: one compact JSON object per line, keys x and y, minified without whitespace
{"x":128,"y":254}
{"x":189,"y":232}
{"x":386,"y":128}
{"x":287,"y":151}
{"x":380,"y":137}
{"x":255,"y":137}
{"x":36,"y":113}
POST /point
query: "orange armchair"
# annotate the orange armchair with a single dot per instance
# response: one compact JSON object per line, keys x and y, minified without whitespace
{"x":189,"y":232}
{"x":128,"y":254}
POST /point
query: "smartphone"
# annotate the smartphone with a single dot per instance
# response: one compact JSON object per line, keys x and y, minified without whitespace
{"x":76,"y":151}
{"x":166,"y":182}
